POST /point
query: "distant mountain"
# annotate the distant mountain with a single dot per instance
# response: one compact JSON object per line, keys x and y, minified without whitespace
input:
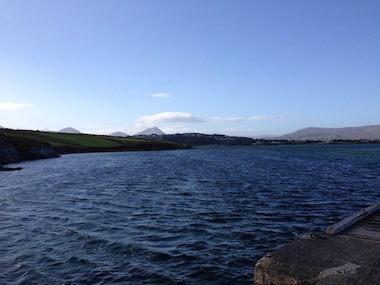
{"x":348,"y":133}
{"x":119,"y":134}
{"x":151,"y":131}
{"x":1,"y":127}
{"x":69,"y":131}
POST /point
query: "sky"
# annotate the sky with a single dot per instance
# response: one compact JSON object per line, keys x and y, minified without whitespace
{"x":245,"y":67}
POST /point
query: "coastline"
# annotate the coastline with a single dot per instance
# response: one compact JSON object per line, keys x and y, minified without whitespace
{"x":21,"y":145}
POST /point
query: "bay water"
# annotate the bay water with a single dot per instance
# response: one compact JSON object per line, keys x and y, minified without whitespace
{"x":201,"y":216}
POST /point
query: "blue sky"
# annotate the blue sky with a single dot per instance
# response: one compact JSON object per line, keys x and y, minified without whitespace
{"x":245,"y":67}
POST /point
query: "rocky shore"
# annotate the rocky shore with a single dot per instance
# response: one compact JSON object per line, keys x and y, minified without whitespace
{"x":13,"y":150}
{"x":22,"y":145}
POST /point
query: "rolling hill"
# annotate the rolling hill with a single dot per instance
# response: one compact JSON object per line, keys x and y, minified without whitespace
{"x":19,"y":145}
{"x":371,"y":132}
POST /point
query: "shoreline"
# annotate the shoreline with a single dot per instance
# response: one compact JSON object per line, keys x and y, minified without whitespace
{"x":22,"y":145}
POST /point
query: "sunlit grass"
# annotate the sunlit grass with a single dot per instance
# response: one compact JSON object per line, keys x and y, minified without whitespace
{"x":80,"y":140}
{"x":86,"y":142}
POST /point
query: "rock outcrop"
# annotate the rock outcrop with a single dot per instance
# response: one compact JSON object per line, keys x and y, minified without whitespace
{"x":8,"y":152}
{"x":14,"y":149}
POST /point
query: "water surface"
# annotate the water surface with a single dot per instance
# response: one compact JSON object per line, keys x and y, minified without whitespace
{"x":201,"y":216}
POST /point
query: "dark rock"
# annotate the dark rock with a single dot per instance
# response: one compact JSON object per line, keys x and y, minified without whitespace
{"x":2,"y":168}
{"x":8,"y":152}
{"x":16,"y":149}
{"x":37,"y":150}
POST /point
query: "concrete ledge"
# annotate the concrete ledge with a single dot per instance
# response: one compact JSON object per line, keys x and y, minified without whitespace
{"x":334,"y":260}
{"x":348,"y":255}
{"x":347,"y":222}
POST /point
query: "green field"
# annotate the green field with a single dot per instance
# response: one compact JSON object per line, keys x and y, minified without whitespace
{"x":89,"y":143}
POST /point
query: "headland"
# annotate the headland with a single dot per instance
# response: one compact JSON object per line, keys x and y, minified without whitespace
{"x":22,"y":145}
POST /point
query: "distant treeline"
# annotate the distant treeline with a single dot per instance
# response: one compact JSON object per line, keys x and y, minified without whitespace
{"x":20,"y":145}
{"x":197,"y":139}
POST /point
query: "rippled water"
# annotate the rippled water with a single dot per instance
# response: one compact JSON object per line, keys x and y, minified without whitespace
{"x":200,"y":216}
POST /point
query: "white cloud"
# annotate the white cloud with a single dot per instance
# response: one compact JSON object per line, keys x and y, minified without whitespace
{"x":169,"y":117}
{"x":246,"y":132}
{"x":161,"y":95}
{"x":246,"y":119}
{"x":174,"y":122}
{"x":13,"y":106}
{"x":177,"y":128}
{"x":181,"y":117}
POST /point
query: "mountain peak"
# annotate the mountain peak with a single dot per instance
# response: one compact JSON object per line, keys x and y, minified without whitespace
{"x":151,"y":131}
{"x":69,"y":130}
{"x":118,"y":134}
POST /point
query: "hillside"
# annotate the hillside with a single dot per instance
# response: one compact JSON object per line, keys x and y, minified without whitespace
{"x":348,"y":133}
{"x":19,"y":145}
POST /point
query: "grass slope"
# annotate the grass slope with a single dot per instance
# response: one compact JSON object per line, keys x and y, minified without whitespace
{"x":64,"y":142}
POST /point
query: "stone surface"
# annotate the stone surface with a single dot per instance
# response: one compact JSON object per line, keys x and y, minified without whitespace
{"x":331,"y":261}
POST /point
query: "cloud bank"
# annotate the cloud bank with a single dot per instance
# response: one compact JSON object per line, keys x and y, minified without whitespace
{"x":13,"y":106}
{"x":246,"y":119}
{"x":169,"y":117}
{"x":183,"y":122}
{"x":161,"y":95}
{"x":182,"y":117}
